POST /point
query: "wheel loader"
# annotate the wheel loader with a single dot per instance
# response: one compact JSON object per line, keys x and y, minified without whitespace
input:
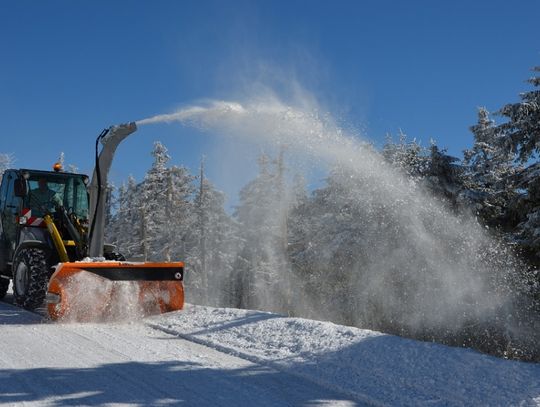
{"x":52,"y":244}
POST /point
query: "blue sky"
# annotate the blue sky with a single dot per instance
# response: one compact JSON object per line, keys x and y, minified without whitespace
{"x":69,"y":69}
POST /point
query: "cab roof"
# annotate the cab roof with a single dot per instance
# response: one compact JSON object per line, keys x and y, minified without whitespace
{"x":49,"y":173}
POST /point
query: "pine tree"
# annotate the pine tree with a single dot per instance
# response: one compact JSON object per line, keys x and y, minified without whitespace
{"x":522,"y":139}
{"x":299,"y":193}
{"x":213,"y":257}
{"x":165,"y":208}
{"x":432,"y":167}
{"x":409,"y":157}
{"x":6,"y":161}
{"x":328,"y":236}
{"x":527,"y":233}
{"x":489,"y":174}
{"x":179,"y":213}
{"x":152,"y":220}
{"x":522,"y":129}
{"x":444,"y":176}
{"x":124,"y":229}
{"x":261,"y":215}
{"x":153,"y":205}
{"x":111,"y":203}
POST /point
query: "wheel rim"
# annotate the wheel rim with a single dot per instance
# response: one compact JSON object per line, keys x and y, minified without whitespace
{"x":21,"y":279}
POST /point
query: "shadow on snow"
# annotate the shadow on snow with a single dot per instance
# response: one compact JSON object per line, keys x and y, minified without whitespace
{"x":164,"y":383}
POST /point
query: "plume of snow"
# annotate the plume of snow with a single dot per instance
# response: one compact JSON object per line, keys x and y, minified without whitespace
{"x":436,"y":245}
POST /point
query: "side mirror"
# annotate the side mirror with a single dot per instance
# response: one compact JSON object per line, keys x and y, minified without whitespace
{"x":19,"y":188}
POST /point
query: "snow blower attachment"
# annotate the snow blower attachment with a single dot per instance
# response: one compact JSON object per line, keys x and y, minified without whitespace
{"x":52,"y":220}
{"x":157,"y":288}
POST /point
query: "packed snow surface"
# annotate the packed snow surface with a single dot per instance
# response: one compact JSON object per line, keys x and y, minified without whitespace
{"x":47,"y":364}
{"x":215,"y":356}
{"x":373,"y":368}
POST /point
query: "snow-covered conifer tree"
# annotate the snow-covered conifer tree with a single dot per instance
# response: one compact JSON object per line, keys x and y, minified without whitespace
{"x":326,"y":241}
{"x":124,"y":229}
{"x":522,"y":129}
{"x":211,"y":260}
{"x":6,"y":161}
{"x":444,"y":176}
{"x":179,"y":213}
{"x":262,"y":215}
{"x":527,"y":207}
{"x":165,"y":208}
{"x":408,"y":156}
{"x":489,"y":173}
{"x":522,"y":140}
{"x":153,"y":205}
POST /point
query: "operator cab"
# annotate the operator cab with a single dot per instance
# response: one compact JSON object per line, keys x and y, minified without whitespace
{"x":48,"y":190}
{"x":26,"y":196}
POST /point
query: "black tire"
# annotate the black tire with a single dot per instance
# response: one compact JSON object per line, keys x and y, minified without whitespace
{"x":30,"y":278}
{"x":114,"y":256}
{"x":4,"y":285}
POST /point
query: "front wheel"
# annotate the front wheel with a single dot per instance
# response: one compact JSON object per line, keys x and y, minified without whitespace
{"x":30,"y":278}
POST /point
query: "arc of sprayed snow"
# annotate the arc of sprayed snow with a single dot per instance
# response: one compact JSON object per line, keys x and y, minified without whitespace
{"x":184,"y":115}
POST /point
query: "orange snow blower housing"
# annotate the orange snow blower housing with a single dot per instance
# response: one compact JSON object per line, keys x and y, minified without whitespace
{"x":52,"y":246}
{"x":158,"y":288}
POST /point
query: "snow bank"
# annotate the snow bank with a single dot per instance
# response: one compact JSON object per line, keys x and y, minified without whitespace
{"x":375,"y":368}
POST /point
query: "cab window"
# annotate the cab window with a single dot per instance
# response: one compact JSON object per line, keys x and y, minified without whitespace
{"x":48,"y":193}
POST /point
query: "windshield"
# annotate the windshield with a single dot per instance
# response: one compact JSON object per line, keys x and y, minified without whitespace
{"x":47,"y":191}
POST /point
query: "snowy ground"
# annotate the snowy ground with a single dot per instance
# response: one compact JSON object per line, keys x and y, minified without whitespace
{"x":222,"y":357}
{"x":372,"y":367}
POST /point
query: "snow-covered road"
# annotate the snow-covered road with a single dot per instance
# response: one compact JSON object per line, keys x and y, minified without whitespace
{"x":132,"y":364}
{"x":218,"y":356}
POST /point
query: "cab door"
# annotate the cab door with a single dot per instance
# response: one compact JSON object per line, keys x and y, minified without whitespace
{"x":4,"y":247}
{"x":10,"y":212}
